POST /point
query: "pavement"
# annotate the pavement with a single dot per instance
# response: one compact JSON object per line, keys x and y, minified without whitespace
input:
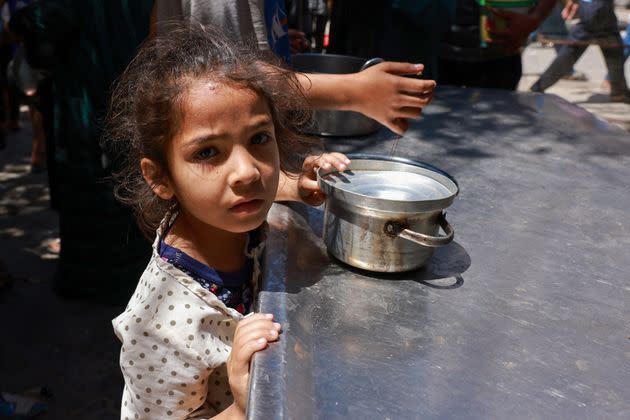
{"x":69,"y":346}
{"x":588,"y":94}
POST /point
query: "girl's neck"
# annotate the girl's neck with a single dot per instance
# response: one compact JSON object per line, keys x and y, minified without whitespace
{"x":217,"y":248}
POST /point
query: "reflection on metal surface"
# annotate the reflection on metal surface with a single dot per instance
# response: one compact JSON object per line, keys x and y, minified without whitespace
{"x":390,"y":185}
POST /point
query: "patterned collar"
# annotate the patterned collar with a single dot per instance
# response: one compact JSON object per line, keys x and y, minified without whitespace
{"x":236,"y":290}
{"x":201,"y":271}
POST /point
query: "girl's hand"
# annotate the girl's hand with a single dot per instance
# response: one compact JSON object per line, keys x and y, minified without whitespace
{"x":253,"y":333}
{"x":308,"y":190}
{"x":382,"y":93}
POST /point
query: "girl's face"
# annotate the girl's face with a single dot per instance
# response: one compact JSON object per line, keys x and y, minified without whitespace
{"x":223,"y":162}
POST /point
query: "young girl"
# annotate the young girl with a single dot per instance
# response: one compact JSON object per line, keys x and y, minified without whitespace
{"x":207,"y":132}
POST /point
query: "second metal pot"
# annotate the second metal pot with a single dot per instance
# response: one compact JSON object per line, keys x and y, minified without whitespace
{"x":337,"y":123}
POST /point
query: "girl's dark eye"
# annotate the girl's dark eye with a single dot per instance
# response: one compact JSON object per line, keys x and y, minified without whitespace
{"x":206,"y":153}
{"x":260,"y":138}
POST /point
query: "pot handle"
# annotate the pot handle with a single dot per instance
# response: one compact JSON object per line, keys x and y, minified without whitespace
{"x":371,"y":62}
{"x":421,"y":238}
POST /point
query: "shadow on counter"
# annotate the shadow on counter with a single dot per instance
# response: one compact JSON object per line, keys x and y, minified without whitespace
{"x":443,"y":271}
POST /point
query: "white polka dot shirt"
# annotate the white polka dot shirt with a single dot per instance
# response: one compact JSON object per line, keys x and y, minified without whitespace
{"x":176,"y":337}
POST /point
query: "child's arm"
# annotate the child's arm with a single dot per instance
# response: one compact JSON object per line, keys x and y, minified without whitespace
{"x":380,"y":92}
{"x":303,"y":187}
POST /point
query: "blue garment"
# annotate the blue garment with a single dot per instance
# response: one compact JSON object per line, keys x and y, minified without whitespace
{"x":626,"y":42}
{"x":234,"y":289}
{"x":597,"y":20}
{"x":278,"y":29}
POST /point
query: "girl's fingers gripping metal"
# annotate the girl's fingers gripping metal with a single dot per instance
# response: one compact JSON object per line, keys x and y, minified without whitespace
{"x":266,"y":334}
{"x":250,"y":329}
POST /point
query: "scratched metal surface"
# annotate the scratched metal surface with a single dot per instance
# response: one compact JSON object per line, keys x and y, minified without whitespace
{"x":525,"y":316}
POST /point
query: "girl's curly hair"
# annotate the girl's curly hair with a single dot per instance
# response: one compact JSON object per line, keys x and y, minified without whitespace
{"x":145,"y":110}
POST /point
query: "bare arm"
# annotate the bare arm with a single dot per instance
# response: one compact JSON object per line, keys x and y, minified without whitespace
{"x":380,"y":92}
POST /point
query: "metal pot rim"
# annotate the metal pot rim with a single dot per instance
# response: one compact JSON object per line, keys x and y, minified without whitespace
{"x":377,"y":162}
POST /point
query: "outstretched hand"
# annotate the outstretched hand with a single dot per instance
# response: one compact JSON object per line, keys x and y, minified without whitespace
{"x":382,"y":93}
{"x":308,"y":189}
{"x":253,"y":333}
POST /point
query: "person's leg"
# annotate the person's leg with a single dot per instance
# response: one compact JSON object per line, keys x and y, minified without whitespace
{"x":38,"y":151}
{"x":587,"y":29}
{"x":45,"y":107}
{"x":560,"y":67}
{"x":555,"y":28}
{"x":601,"y":21}
{"x":626,"y":53}
{"x":626,"y":43}
{"x":614,"y":62}
{"x":565,"y":60}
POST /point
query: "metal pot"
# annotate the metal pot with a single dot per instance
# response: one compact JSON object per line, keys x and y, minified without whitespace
{"x":336,"y":123}
{"x":385,"y":213}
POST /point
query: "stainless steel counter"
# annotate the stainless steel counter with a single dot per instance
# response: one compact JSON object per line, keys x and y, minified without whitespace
{"x":525,"y":316}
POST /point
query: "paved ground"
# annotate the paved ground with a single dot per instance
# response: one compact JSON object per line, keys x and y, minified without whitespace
{"x":69,"y":346}
{"x":589,"y":94}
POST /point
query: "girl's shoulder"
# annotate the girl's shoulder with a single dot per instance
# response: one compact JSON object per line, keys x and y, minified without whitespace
{"x":163,"y":285}
{"x":169,"y":303}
